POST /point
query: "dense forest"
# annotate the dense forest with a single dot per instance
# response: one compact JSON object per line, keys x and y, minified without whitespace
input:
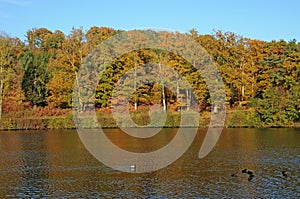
{"x":37,"y":76}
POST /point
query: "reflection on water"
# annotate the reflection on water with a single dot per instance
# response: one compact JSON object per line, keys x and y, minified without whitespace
{"x":56,"y":164}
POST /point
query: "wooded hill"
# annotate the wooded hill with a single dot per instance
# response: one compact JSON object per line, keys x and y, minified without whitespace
{"x":261,"y":78}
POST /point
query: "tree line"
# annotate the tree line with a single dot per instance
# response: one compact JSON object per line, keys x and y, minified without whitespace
{"x":258,"y":75}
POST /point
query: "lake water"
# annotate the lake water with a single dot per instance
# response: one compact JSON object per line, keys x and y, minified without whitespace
{"x":55,"y":164}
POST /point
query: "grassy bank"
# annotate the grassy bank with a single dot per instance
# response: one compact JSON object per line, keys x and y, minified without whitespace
{"x":106,"y":120}
{"x":36,"y":119}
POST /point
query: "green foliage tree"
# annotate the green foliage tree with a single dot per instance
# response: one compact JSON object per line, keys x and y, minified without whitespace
{"x":36,"y":77}
{"x":278,"y":107}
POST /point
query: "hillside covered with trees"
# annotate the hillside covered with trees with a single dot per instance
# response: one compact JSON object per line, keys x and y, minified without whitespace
{"x":37,"y":77}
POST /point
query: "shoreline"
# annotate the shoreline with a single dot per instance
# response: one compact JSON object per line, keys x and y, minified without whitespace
{"x":67,"y":123}
{"x":40,"y":120}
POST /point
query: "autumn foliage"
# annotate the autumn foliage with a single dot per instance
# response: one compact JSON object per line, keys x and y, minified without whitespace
{"x":261,"y":78}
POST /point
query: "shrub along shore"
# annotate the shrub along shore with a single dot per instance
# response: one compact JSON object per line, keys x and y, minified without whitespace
{"x":234,"y":119}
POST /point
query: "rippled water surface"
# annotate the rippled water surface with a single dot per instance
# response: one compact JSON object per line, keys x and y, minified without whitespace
{"x":52,"y":164}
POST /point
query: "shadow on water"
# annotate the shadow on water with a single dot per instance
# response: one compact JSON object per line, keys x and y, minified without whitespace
{"x":56,"y":164}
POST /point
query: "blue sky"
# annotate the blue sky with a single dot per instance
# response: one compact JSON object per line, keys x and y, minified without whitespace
{"x":256,"y":19}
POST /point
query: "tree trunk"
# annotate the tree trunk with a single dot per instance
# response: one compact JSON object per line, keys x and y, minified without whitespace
{"x":243,"y":92}
{"x":164,"y":98}
{"x":135,"y":105}
{"x":215,"y":108}
{"x":187,"y":100}
{"x":177,"y":90}
{"x":163,"y":90}
{"x":78,"y":94}
{"x":135,"y":97}
{"x":243,"y":86}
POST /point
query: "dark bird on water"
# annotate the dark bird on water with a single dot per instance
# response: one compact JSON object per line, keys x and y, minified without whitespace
{"x":249,"y":172}
{"x":284,"y":173}
{"x":250,"y":177}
